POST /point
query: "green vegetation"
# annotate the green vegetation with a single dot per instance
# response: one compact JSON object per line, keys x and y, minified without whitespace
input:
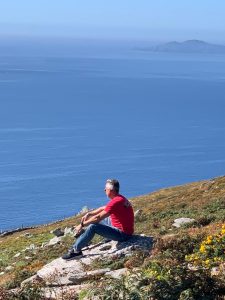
{"x":186,"y":262}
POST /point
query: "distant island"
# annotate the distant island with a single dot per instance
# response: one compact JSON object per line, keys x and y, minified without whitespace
{"x":190,"y":46}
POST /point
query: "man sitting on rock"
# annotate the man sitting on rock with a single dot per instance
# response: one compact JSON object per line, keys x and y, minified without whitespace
{"x":122,"y":221}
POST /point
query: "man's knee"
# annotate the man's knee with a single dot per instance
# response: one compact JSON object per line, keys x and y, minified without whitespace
{"x":91,"y":227}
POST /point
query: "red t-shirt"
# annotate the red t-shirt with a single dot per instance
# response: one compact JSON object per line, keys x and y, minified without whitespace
{"x":121,"y":214}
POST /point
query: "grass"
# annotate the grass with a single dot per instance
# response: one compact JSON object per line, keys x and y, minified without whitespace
{"x":203,"y":201}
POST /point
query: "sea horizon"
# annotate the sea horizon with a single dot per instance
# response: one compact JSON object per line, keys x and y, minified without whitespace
{"x":69,"y":122}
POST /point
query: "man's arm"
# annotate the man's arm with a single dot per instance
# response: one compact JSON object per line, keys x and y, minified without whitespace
{"x":94,"y":219}
{"x":92,"y":213}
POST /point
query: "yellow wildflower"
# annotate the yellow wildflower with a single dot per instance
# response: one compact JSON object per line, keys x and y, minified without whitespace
{"x":209,"y":240}
{"x":202,"y":248}
{"x":207,"y":261}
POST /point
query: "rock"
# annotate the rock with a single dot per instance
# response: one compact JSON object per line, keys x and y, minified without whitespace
{"x":169,"y":237}
{"x":138,"y":214}
{"x":27,"y":234}
{"x":9,"y":268}
{"x":43,"y":245}
{"x":181,"y":221}
{"x":215,"y":271}
{"x":106,"y":247}
{"x":220,"y":270}
{"x":31,"y":247}
{"x":57,"y":232}
{"x":62,"y":292}
{"x":60,"y":272}
{"x":27,"y":257}
{"x":117,"y":274}
{"x":17,"y":254}
{"x":84,"y":210}
{"x":2,"y":273}
{"x":32,"y":279}
{"x":192,"y":267}
{"x":68,"y":231}
{"x":54,"y":241}
{"x":84,"y":276}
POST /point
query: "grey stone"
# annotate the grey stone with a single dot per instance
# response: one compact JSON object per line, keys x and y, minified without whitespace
{"x":17,"y":255}
{"x":9,"y":268}
{"x":60,"y":272}
{"x":28,"y":234}
{"x":31,"y":279}
{"x":84,"y":210}
{"x":84,"y":276}
{"x":181,"y":221}
{"x":43,"y":245}
{"x":192,"y":267}
{"x":27,"y":257}
{"x":62,"y":292}
{"x":58,"y":232}
{"x":2,"y":273}
{"x":138,"y":214}
{"x":68,"y":231}
{"x":54,"y":241}
{"x":117,"y":274}
{"x":215,"y":271}
{"x":31,"y":247}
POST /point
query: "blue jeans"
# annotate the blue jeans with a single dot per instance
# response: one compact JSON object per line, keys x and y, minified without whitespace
{"x":107,"y":232}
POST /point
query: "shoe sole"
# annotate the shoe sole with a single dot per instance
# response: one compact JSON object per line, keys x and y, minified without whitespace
{"x":72,"y":258}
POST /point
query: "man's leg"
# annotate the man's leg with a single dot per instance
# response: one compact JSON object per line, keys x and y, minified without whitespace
{"x":106,"y":221}
{"x":108,"y":232}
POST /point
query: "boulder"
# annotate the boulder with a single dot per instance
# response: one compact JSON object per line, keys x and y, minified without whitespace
{"x":181,"y":221}
{"x":116,"y":274}
{"x":60,"y":272}
{"x":68,"y":231}
{"x":54,"y":241}
{"x":57,"y":232}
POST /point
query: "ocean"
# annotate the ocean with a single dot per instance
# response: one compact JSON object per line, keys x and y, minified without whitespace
{"x":69,"y":121}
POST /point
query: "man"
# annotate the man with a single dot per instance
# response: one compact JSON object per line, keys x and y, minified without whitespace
{"x":119,"y":210}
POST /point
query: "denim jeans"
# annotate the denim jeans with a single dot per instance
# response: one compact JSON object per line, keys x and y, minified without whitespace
{"x":107,"y":232}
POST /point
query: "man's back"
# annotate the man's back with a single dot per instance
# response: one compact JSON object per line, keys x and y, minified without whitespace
{"x":121,"y":213}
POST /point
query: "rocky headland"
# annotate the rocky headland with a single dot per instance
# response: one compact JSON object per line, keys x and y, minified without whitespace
{"x":177,"y":252}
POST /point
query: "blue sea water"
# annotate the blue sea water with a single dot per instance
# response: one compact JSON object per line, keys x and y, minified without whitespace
{"x":69,"y":122}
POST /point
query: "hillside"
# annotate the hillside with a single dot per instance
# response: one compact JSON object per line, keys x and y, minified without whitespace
{"x":189,"y":46}
{"x":186,"y":262}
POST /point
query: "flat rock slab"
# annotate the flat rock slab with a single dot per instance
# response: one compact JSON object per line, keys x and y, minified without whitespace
{"x":60,"y":272}
{"x":113,"y":248}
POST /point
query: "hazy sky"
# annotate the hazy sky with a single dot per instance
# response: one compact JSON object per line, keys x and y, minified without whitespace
{"x":154,"y":20}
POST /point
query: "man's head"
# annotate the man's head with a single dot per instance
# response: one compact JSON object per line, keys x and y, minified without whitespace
{"x":112,"y":187}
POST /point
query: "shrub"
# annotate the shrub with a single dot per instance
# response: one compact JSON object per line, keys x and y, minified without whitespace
{"x":211,"y":251}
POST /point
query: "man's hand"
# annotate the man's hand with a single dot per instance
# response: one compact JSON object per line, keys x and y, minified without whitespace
{"x":85,"y":217}
{"x":78,"y":229}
